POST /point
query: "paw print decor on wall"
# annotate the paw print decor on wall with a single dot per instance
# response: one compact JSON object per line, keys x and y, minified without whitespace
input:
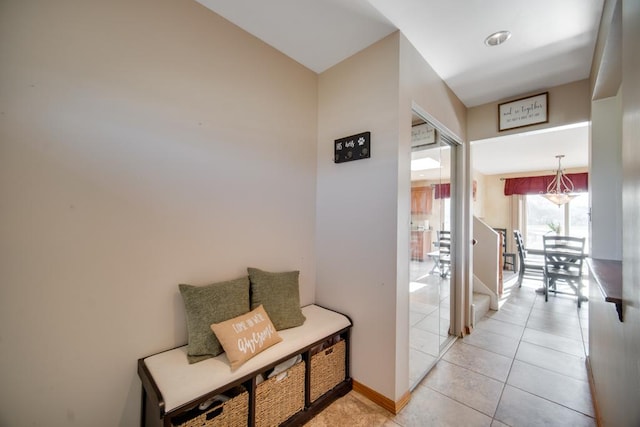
{"x":354,"y":147}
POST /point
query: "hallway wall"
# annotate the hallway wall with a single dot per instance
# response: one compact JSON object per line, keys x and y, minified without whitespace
{"x":143,"y":144}
{"x":568,"y":104}
{"x":614,"y":346}
{"x":356,"y":208}
{"x":363,"y":207}
{"x":605,"y":175}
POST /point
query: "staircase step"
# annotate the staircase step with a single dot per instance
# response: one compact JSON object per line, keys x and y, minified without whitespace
{"x":480,"y":304}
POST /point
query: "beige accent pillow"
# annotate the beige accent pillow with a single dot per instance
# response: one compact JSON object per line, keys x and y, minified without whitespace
{"x":245,"y":336}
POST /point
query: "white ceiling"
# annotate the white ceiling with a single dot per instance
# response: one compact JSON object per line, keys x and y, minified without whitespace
{"x":533,"y":151}
{"x":316,"y":33}
{"x":525,"y":152}
{"x":552,"y":43}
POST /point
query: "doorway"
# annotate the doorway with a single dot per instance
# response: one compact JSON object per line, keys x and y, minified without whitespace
{"x":432,"y":250}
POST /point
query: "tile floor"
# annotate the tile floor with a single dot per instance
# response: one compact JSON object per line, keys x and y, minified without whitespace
{"x":524,"y":365}
{"x":428,"y":317}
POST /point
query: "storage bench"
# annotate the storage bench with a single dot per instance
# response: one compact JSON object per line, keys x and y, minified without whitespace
{"x":173,"y":390}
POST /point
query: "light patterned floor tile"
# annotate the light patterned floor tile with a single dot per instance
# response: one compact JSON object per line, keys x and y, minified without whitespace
{"x":522,"y":409}
{"x":430,"y":408}
{"x":419,"y":365}
{"x":501,"y":328}
{"x":474,"y":390}
{"x":424,"y":341}
{"x":557,"y":361}
{"x":500,"y":344}
{"x":352,"y":411}
{"x":535,"y":347}
{"x":545,"y":339}
{"x":564,"y":390}
{"x":479,"y":360}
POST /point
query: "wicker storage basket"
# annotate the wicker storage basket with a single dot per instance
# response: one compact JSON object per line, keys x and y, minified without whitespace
{"x":278,"y":398}
{"x":327,"y":369}
{"x":232,"y":413}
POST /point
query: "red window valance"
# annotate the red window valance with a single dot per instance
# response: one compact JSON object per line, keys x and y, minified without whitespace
{"x":442,"y":191}
{"x":539,"y":184}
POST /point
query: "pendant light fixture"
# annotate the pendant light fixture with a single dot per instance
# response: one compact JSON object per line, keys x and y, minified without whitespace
{"x":560,"y":189}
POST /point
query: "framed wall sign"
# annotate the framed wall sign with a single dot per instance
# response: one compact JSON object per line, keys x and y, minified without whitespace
{"x":354,"y":147}
{"x":423,"y":134}
{"x":523,"y":112}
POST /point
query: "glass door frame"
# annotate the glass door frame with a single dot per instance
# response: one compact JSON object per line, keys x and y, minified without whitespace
{"x":461,"y":202}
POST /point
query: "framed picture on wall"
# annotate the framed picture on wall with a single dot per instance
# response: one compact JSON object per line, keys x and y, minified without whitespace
{"x":528,"y":111}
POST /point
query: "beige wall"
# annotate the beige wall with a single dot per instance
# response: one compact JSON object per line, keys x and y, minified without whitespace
{"x":606,"y":68}
{"x":497,"y":208}
{"x":421,"y":85}
{"x":356,"y":207}
{"x":142,"y":144}
{"x":363,"y":207}
{"x":481,"y":188}
{"x":605,"y":176}
{"x":568,"y":104}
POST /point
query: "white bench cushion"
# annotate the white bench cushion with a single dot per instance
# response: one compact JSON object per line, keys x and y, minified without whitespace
{"x":179,"y":382}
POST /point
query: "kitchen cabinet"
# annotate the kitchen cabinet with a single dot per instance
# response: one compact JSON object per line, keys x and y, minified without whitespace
{"x":421,"y":200}
{"x":420,"y":244}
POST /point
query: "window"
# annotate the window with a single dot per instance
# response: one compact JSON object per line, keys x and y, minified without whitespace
{"x":543,"y":217}
{"x":578,"y":213}
{"x":447,"y":214}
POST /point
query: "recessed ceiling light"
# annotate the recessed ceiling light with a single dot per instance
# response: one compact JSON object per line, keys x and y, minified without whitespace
{"x":497,"y":38}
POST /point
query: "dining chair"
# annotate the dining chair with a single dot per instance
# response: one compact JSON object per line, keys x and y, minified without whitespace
{"x":528,"y":264}
{"x":563,"y":260}
{"x":509,"y":259}
{"x":444,"y":253}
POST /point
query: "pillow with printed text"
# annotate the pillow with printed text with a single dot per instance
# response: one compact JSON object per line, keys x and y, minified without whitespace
{"x":245,"y":336}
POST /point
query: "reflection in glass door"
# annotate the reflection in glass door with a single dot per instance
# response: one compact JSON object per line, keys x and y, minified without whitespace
{"x":431,"y":248}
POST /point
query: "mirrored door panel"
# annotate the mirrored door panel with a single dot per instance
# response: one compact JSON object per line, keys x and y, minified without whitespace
{"x":431,"y":248}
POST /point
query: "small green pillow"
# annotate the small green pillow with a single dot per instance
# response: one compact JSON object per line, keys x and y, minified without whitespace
{"x":280,"y":296}
{"x":205,"y":305}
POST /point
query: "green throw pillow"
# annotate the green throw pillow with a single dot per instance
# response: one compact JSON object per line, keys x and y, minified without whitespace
{"x":280,"y":296}
{"x":205,"y":305}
